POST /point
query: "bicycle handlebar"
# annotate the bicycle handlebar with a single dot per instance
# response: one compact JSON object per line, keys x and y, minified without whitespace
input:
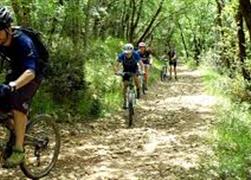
{"x":128,"y":73}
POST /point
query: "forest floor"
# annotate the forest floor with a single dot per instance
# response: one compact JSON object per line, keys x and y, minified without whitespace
{"x":169,"y":138}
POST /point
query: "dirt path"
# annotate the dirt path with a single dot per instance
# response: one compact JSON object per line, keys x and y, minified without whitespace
{"x":168,"y":139}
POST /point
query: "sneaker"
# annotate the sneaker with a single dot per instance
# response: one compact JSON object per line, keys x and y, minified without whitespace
{"x":16,"y":158}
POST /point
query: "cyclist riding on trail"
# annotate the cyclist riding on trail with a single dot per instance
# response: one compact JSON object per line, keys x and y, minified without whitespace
{"x":22,"y":81}
{"x":129,"y":60}
{"x":146,"y":58}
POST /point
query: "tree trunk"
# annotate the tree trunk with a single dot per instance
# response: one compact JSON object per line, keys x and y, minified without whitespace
{"x":87,"y":22}
{"x":151,"y":22}
{"x":245,"y":7}
{"x":220,"y":6}
{"x":241,"y":42}
{"x":131,"y":27}
{"x":183,"y":40}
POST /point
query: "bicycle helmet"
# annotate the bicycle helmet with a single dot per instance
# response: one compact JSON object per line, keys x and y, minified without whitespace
{"x":128,"y":48}
{"x":5,"y":18}
{"x":142,"y":44}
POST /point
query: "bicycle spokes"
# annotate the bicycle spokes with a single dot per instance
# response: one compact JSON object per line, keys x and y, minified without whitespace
{"x":42,"y":144}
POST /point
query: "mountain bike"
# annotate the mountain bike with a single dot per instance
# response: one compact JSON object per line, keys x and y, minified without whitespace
{"x":130,"y":95}
{"x":163,"y":72}
{"x":41,"y":144}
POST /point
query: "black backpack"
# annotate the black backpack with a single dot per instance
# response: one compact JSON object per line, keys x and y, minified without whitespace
{"x":43,"y":63}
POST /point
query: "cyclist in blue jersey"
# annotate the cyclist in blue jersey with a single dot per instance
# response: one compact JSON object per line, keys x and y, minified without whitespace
{"x":22,"y":81}
{"x":130,"y":60}
{"x":146,"y":58}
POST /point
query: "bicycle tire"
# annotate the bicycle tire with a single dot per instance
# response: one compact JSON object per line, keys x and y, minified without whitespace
{"x":38,"y":120}
{"x":131,"y":99}
{"x":162,"y":75}
{"x":131,"y":113}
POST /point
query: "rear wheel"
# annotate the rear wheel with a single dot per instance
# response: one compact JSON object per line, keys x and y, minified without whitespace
{"x":42,"y":144}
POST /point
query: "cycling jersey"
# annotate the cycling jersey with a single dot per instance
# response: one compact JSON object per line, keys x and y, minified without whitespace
{"x":145,"y":57}
{"x":129,"y":65}
{"x":22,"y":55}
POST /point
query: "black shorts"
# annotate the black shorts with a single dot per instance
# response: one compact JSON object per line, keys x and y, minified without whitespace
{"x":126,"y":77}
{"x":173,"y":62}
{"x":21,"y":99}
{"x":146,"y":61}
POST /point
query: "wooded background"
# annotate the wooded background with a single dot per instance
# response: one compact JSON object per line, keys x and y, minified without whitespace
{"x":84,"y":37}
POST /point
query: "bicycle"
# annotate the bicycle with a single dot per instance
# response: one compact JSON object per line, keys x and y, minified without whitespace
{"x":41,"y":144}
{"x":163,"y":72}
{"x":131,"y":95}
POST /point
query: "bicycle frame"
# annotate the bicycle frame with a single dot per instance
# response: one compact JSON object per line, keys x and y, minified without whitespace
{"x":31,"y":140}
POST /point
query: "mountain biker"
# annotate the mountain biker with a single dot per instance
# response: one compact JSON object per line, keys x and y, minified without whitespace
{"x":21,"y":82}
{"x":146,"y":58}
{"x":172,"y":62}
{"x":129,"y":59}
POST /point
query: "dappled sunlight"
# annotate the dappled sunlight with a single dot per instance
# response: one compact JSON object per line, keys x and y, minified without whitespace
{"x":167,"y":140}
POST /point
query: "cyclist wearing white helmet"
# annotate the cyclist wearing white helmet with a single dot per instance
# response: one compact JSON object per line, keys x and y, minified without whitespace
{"x":146,"y":58}
{"x":129,"y":59}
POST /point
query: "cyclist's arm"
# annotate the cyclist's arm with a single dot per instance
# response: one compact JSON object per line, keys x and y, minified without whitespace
{"x":117,"y":66}
{"x":141,"y":65}
{"x":174,"y":56}
{"x":25,"y":78}
{"x":150,"y":59}
{"x":29,"y":63}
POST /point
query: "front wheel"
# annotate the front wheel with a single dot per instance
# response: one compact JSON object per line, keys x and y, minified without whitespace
{"x":42,"y":145}
{"x":162,"y":75}
{"x":131,"y":99}
{"x":131,"y":113}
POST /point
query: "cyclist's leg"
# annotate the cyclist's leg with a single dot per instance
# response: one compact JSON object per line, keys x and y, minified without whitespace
{"x":146,"y":75}
{"x":125,"y":89}
{"x":125,"y":86}
{"x":174,"y":68}
{"x":170,"y":69}
{"x":20,"y":121}
{"x":137,"y":84}
{"x":20,"y":102}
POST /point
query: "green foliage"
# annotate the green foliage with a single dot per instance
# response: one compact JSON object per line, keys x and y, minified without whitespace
{"x":233,"y":140}
{"x":232,"y":131}
{"x":191,"y":63}
{"x":103,"y":84}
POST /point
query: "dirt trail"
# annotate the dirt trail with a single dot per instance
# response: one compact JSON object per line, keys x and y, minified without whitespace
{"x":167,"y":141}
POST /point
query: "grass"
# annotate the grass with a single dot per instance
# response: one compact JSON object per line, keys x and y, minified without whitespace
{"x":232,"y":137}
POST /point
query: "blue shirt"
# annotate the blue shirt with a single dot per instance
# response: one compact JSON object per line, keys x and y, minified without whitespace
{"x":131,"y":64}
{"x":22,"y":54}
